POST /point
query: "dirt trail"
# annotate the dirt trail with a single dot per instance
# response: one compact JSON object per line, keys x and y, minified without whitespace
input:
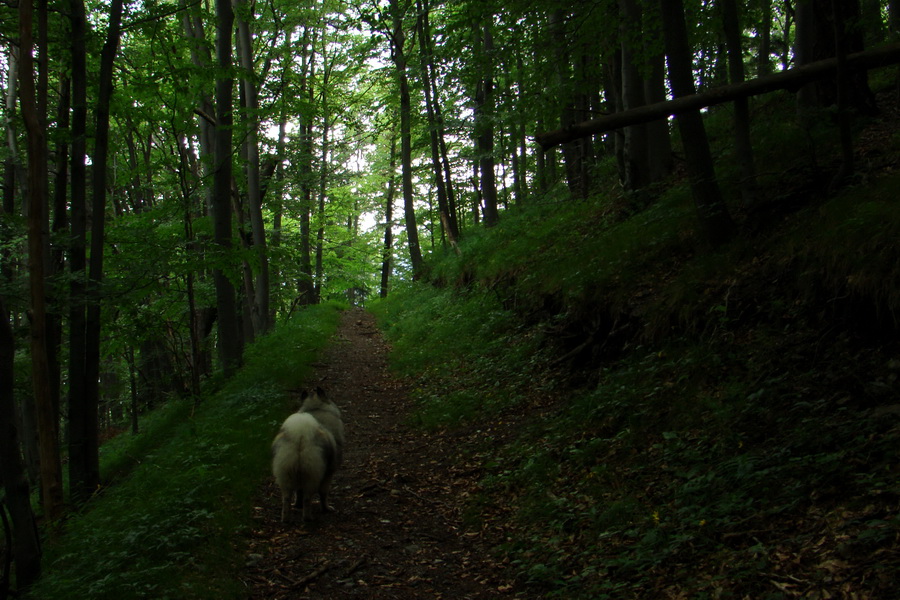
{"x":396,"y":531}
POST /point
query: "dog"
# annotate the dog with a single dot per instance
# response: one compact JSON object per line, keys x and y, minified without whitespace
{"x":304,"y":459}
{"x":327,"y":414}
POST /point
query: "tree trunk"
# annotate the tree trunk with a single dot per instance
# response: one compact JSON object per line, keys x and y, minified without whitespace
{"x":764,"y":51}
{"x":484,"y":130}
{"x":254,"y":191}
{"x":48,"y":419}
{"x":816,"y":22}
{"x":398,"y":39}
{"x":229,"y":333}
{"x":323,"y":192}
{"x":26,"y":543}
{"x":715,"y":221}
{"x":570,"y":150}
{"x":842,"y":84}
{"x":85,"y":464}
{"x":636,"y":150}
{"x":447,"y":215}
{"x":387,"y":252}
{"x":306,"y":289}
{"x":743,"y":147}
{"x":659,"y":140}
{"x":78,"y":254}
{"x":12,"y":167}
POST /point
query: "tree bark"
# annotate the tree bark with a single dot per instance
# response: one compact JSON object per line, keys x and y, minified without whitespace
{"x":12,"y":166}
{"x":387,"y":251}
{"x":260,"y":311}
{"x":306,"y":289}
{"x":636,"y":148}
{"x":715,"y":221}
{"x":743,"y":147}
{"x":448,"y":216}
{"x":26,"y":543}
{"x":484,"y":129}
{"x":571,"y":149}
{"x":398,"y":40}
{"x":228,"y":323}
{"x":78,"y":251}
{"x":48,"y":419}
{"x":763,"y":58}
{"x":785,"y":80}
{"x":87,"y":458}
{"x":658,"y":135}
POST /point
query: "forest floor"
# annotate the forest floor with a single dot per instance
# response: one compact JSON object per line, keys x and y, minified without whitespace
{"x":397,"y":527}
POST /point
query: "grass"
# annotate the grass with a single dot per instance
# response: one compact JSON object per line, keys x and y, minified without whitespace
{"x":744,"y":418}
{"x":167,"y":527}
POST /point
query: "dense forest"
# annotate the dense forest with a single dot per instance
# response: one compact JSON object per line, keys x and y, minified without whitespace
{"x":566,"y":186}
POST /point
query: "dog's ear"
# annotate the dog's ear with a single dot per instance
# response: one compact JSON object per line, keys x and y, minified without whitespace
{"x":320,"y":392}
{"x":304,"y":395}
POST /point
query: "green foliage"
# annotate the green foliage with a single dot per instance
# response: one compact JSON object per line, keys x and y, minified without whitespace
{"x":434,"y":331}
{"x":724,"y":430}
{"x":166,"y":528}
{"x":575,"y":253}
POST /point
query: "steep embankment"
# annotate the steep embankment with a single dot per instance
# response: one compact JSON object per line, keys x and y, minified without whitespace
{"x":654,"y":418}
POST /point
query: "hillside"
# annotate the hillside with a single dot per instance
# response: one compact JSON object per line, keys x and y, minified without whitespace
{"x":654,"y":418}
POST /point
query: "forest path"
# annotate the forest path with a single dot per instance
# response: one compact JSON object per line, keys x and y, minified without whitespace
{"x":396,"y":532}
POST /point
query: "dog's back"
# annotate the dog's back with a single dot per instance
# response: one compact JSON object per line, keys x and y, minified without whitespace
{"x":304,"y":458}
{"x":326,"y":412}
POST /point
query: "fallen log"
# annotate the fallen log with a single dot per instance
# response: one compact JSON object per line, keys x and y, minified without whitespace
{"x":792,"y":79}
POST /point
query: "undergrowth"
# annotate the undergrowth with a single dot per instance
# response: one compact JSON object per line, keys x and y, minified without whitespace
{"x":741,"y":441}
{"x":166,"y":528}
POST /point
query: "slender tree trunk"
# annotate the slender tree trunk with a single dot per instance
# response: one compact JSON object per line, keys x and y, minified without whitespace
{"x":78,"y":252}
{"x":484,"y":130}
{"x":448,"y":216}
{"x":254,"y":191}
{"x":842,"y":92}
{"x":636,"y":150}
{"x":387,"y":251}
{"x":26,"y":543}
{"x":12,"y":167}
{"x":804,"y":52}
{"x":572,"y":152}
{"x":398,"y":41}
{"x":202,"y":171}
{"x":520,"y":165}
{"x":84,"y":459}
{"x":323,"y":191}
{"x":190,"y":243}
{"x":228,"y":329}
{"x":48,"y":419}
{"x":714,"y":217}
{"x":306,"y":285}
{"x":743,"y":147}
{"x":276,"y":200}
{"x":658,"y":137}
{"x":54,"y":321}
{"x":13,"y":476}
{"x":763,"y":57}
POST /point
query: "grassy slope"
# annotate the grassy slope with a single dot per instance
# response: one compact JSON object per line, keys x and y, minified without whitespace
{"x":656,"y":419}
{"x":183,"y":487}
